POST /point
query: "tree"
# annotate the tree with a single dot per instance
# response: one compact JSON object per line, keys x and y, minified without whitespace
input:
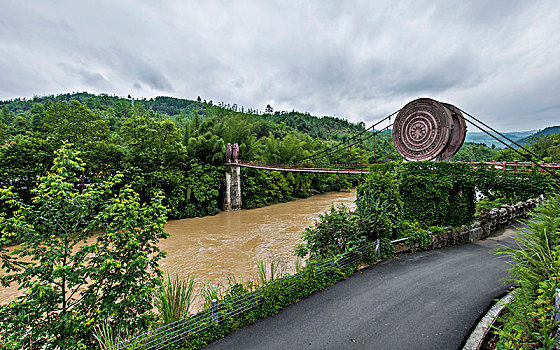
{"x":268,"y":109}
{"x":86,"y":256}
{"x":3,"y":132}
{"x":155,"y":159}
{"x":37,"y":116}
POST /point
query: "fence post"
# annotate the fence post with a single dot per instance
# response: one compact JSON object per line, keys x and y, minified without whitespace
{"x":378,"y":249}
{"x":215,"y":315}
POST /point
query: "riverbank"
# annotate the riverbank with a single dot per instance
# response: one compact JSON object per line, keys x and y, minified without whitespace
{"x":215,"y":247}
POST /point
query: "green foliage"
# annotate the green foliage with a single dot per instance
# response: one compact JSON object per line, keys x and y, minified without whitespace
{"x":87,"y":255}
{"x":335,"y":232}
{"x":173,"y":145}
{"x":208,"y":293}
{"x":535,"y":268}
{"x":108,"y":335}
{"x":174,"y":297}
{"x":202,"y":182}
{"x":22,"y":161}
{"x":438,"y":194}
{"x":513,"y":185}
{"x":379,"y":205}
{"x":275,"y":297}
{"x":268,"y":273}
{"x":476,"y":152}
{"x":155,"y":159}
{"x":442,"y":193}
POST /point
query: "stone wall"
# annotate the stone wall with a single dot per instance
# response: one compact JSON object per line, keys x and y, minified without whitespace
{"x":484,"y":225}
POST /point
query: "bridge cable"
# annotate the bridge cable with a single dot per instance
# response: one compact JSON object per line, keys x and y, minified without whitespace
{"x":505,"y":137}
{"x":313,"y":156}
{"x":505,"y":144}
{"x":365,"y":138}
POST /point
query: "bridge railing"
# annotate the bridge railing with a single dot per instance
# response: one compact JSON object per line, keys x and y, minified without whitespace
{"x":361,"y":167}
{"x":350,"y":166}
{"x":525,"y":166}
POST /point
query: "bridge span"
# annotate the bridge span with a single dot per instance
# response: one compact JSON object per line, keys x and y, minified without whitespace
{"x":363,"y":167}
{"x":342,"y":168}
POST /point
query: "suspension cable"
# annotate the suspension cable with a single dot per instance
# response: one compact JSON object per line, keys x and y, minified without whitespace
{"x":363,"y":139}
{"x":505,"y":144}
{"x":335,"y":147}
{"x":504,"y":136}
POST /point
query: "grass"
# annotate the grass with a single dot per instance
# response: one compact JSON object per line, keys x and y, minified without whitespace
{"x":174,"y":298}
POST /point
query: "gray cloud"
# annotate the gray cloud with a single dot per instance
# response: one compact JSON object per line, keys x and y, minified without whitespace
{"x":359,"y":60}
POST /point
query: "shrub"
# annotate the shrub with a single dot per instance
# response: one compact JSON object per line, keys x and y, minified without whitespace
{"x":91,"y":255}
{"x":335,"y":232}
{"x":174,"y":298}
{"x":535,"y":268}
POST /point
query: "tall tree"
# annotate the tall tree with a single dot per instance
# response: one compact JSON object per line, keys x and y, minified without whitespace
{"x":90,"y":255}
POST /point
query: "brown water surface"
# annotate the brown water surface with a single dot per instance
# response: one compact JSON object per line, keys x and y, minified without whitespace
{"x":215,"y":247}
{"x":229,"y":243}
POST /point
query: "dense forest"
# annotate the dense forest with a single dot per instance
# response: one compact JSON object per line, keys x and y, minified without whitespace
{"x":174,"y":145}
{"x":178,"y":146}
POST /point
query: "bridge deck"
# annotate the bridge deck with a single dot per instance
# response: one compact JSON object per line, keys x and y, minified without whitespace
{"x":363,"y":168}
{"x":358,"y":168}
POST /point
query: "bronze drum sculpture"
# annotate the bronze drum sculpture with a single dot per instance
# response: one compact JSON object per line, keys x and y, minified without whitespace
{"x":426,"y":129}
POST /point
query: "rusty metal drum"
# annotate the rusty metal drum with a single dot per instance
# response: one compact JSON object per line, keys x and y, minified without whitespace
{"x":458,"y":134}
{"x":422,"y":130}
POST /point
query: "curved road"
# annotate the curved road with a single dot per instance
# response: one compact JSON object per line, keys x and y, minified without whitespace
{"x":426,"y":300}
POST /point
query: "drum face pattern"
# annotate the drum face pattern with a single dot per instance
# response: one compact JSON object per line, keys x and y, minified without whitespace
{"x":422,"y":130}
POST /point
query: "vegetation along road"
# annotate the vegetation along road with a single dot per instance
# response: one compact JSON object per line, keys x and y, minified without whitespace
{"x":426,"y":300}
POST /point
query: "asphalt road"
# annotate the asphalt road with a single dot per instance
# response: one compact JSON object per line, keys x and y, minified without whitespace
{"x":426,"y":300}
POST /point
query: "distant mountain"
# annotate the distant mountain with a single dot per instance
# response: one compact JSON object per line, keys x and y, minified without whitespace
{"x":545,"y":131}
{"x":480,"y":137}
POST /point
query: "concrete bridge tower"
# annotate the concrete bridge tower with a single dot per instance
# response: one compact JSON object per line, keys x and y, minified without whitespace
{"x":232,"y":195}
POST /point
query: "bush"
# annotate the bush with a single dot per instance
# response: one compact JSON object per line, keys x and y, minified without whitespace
{"x":535,"y":259}
{"x":335,"y":232}
{"x":92,"y":257}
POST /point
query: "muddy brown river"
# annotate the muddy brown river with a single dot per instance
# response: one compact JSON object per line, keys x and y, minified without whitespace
{"x":215,"y":247}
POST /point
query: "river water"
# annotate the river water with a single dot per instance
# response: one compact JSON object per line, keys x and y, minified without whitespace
{"x":215,"y":247}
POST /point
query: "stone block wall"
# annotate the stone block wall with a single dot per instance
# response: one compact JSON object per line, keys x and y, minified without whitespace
{"x":484,"y":225}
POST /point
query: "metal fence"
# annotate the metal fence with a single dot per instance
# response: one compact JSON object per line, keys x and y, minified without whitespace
{"x":169,"y":334}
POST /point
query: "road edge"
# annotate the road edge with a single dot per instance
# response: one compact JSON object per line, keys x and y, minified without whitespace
{"x":474,"y":342}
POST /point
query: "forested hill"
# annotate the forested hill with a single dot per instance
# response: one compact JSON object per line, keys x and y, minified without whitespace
{"x":176,"y":146}
{"x":179,"y":110}
{"x":489,"y":141}
{"x":533,"y":137}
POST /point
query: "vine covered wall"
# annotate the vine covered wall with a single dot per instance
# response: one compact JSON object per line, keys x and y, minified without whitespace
{"x":443,"y":193}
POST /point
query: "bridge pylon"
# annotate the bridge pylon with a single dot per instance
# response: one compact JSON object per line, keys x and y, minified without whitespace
{"x":232,"y":195}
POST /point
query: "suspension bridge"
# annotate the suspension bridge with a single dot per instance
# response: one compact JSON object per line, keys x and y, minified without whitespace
{"x":424,"y":129}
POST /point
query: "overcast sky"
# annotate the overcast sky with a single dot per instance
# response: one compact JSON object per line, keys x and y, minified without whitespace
{"x":360,"y":60}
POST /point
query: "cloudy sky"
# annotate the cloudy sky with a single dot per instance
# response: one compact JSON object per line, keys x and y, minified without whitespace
{"x":361,"y":60}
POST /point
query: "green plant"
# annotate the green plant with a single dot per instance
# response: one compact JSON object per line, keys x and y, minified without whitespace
{"x":87,"y":254}
{"x":535,"y":268}
{"x":267,"y":275}
{"x":298,"y":264}
{"x":208,"y":293}
{"x":335,"y":232}
{"x":174,"y":298}
{"x":107,"y":335}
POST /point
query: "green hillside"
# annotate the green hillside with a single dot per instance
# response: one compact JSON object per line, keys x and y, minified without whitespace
{"x":177,"y":146}
{"x":115,"y":109}
{"x":546,"y":131}
{"x":481,"y":137}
